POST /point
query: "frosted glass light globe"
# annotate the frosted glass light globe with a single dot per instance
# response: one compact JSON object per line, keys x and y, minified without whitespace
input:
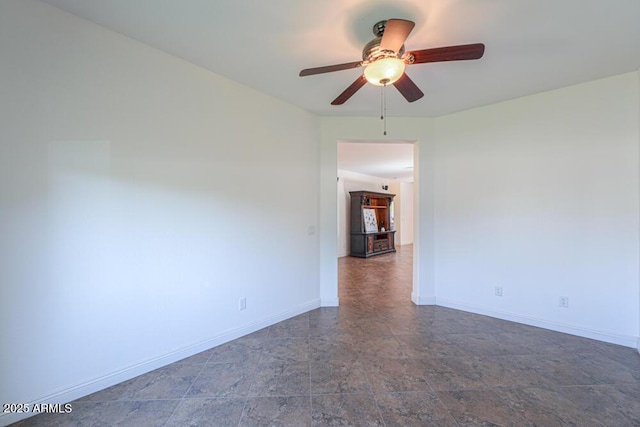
{"x":384,"y":71}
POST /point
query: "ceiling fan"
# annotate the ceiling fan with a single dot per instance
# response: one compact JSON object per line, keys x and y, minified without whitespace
{"x":384,"y":60}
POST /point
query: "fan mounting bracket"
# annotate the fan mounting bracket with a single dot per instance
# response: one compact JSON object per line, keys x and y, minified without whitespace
{"x":378,"y":28}
{"x":372,"y":51}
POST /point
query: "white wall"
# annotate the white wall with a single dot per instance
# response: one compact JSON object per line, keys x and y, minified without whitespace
{"x":140,"y":198}
{"x":406,"y":218}
{"x":352,"y":181}
{"x":403,"y":210}
{"x":540,"y":196}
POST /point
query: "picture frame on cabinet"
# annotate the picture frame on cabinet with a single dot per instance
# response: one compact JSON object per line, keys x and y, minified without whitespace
{"x":370,"y":221}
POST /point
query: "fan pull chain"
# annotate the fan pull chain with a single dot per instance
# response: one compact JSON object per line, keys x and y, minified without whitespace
{"x":383,"y":106}
{"x":381,"y":102}
{"x":384,"y":90}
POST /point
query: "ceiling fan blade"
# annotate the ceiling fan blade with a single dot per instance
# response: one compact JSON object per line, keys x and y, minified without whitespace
{"x":408,"y":88}
{"x":348,"y":92}
{"x":395,"y":33}
{"x":448,"y":53}
{"x":329,"y":68}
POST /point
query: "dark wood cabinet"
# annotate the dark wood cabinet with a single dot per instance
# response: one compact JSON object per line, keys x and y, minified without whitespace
{"x":370,"y":223}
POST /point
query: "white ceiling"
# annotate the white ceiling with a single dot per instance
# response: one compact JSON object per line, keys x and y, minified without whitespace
{"x":531,"y":45}
{"x":390,"y":160}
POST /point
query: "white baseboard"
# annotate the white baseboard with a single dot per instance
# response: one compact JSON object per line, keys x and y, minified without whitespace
{"x":329,"y":302}
{"x":624,"y":340}
{"x":420,"y":300}
{"x":100,"y":383}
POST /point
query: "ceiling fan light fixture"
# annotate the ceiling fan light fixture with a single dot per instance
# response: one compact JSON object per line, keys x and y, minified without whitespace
{"x":384,"y":71}
{"x":382,"y":63}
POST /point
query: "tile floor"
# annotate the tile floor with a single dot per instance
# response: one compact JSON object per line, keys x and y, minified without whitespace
{"x":379,"y":360}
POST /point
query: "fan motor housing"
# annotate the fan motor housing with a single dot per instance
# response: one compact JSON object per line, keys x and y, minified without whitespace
{"x":372,"y":51}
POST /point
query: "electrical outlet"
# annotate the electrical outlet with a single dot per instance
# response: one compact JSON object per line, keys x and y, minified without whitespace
{"x":564,"y":302}
{"x":498,"y":291}
{"x":243,"y":303}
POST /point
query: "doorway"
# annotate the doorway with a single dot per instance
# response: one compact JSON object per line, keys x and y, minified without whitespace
{"x":382,"y":167}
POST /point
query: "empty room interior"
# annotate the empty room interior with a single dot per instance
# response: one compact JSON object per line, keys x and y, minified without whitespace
{"x":179,"y":178}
